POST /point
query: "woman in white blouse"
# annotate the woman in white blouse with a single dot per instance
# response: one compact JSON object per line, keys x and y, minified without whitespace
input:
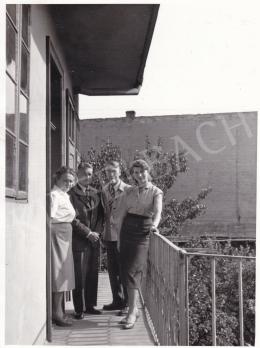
{"x":142,"y":207}
{"x":62,"y":214}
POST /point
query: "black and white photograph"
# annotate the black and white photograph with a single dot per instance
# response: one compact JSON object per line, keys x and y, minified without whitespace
{"x":129,"y":145}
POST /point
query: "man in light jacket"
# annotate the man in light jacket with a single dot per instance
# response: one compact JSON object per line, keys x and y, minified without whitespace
{"x":112,"y":195}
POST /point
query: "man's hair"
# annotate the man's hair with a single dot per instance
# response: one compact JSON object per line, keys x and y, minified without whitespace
{"x":85,"y":165}
{"x":112,"y":164}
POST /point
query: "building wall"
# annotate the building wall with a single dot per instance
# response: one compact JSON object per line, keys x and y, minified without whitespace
{"x":221,"y":158}
{"x":26,"y":221}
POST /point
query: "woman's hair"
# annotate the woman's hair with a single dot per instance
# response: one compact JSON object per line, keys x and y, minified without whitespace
{"x":63,"y":170}
{"x":140,"y":163}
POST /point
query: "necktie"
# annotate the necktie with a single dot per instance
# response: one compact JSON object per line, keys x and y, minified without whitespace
{"x":112,"y":191}
{"x":112,"y":195}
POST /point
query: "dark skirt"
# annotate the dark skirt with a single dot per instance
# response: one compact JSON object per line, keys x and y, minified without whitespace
{"x":134,"y":245}
{"x":61,"y":257}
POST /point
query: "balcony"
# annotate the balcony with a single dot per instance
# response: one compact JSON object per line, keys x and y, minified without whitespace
{"x":165,"y":305}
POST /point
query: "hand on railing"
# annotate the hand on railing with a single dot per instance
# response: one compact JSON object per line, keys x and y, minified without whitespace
{"x":154,"y":229}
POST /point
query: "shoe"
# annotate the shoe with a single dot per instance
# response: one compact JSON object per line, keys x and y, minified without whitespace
{"x":129,"y":324}
{"x":92,"y":310}
{"x":61,"y":322}
{"x":113,"y":306}
{"x":123,"y":312}
{"x":125,"y":320}
{"x":78,"y":316}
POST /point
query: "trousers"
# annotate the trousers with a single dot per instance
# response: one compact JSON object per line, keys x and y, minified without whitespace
{"x":119,"y":292}
{"x":86,"y":265}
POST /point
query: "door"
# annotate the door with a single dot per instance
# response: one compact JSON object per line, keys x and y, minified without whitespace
{"x":54,"y":153}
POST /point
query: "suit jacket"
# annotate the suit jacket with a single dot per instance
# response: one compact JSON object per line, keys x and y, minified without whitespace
{"x":89,"y":215}
{"x":112,"y":210}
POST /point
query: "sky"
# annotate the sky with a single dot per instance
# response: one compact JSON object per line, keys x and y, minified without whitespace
{"x":203,"y":58}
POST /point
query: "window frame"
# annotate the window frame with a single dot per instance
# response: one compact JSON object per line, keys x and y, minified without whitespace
{"x":71,"y":117}
{"x":71,"y":106}
{"x":15,"y":192}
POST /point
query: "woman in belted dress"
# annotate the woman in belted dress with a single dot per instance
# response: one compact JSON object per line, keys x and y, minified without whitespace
{"x":142,"y":207}
{"x":62,"y":214}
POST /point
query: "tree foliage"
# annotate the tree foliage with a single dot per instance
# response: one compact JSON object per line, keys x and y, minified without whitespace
{"x":165,"y":168}
{"x":227,"y":301}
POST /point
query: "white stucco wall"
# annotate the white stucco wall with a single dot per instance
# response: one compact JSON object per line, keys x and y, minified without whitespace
{"x":26,"y":221}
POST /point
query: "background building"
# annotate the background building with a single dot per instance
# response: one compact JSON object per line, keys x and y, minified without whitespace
{"x":221,"y":153}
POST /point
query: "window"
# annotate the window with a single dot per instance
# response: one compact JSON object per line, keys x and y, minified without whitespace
{"x":17,"y":99}
{"x":71,"y":120}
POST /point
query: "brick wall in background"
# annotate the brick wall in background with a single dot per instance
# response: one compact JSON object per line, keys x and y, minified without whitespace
{"x":221,"y":154}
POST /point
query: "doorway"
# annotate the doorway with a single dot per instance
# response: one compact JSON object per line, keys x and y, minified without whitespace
{"x":56,"y":117}
{"x":54,"y":154}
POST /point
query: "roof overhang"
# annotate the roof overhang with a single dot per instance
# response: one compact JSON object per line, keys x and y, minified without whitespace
{"x":105,"y":46}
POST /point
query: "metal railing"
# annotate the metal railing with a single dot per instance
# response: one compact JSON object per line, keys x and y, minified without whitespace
{"x":165,"y":290}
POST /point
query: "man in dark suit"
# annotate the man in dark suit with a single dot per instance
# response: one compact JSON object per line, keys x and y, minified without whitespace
{"x":86,"y":227}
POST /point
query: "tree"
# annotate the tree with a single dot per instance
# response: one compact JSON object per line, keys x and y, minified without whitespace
{"x":227,"y":302}
{"x":165,"y":168}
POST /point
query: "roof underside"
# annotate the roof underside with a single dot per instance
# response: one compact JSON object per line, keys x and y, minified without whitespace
{"x":105,"y":46}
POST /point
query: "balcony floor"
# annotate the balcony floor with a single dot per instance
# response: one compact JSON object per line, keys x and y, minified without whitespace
{"x":103,"y":329}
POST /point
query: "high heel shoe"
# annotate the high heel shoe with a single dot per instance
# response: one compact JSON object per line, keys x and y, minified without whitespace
{"x":125,"y":319}
{"x":129,"y":324}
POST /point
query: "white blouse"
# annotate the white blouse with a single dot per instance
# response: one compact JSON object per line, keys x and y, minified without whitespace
{"x":61,"y":207}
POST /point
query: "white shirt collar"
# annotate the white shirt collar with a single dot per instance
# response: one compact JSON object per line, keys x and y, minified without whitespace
{"x":149,"y":184}
{"x":117,"y":186}
{"x":83,"y":188}
{"x":56,"y":188}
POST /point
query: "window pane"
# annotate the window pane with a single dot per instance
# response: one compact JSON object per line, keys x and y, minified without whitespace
{"x":77,"y":136}
{"x":10,"y":104}
{"x":72,"y":125}
{"x":23,"y":118}
{"x":23,"y":165}
{"x":10,"y":48}
{"x":25,"y":24}
{"x":24,"y":69}
{"x":69,"y":120}
{"x":10,"y":161}
{"x":71,"y":161}
{"x":11,"y":9}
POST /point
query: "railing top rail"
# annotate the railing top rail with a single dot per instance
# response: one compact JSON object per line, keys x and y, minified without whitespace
{"x":222,"y":256}
{"x":183,"y":251}
{"x":175,"y":247}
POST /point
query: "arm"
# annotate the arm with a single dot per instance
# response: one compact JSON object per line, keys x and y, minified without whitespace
{"x":54,"y":204}
{"x":78,"y":226}
{"x":81,"y":229}
{"x":157,"y":211}
{"x":100,"y":214}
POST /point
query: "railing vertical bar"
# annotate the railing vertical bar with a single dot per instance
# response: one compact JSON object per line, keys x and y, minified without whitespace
{"x":167,"y":296}
{"x":213,"y":291}
{"x":187,"y":297}
{"x":182,"y":300}
{"x":241,"y":311}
